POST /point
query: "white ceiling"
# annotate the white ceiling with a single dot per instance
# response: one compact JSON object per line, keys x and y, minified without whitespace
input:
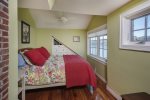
{"x":52,"y":19}
{"x":77,"y":12}
{"x":91,"y":7}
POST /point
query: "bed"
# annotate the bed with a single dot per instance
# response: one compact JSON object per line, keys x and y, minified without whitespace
{"x":58,"y":70}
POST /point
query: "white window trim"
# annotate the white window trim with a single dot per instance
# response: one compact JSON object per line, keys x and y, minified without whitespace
{"x":101,"y":28}
{"x":125,"y":26}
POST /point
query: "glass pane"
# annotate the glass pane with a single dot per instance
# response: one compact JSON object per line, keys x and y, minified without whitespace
{"x":105,"y":54}
{"x":101,"y":37}
{"x":101,"y":44}
{"x":105,"y":37}
{"x":101,"y":53}
{"x":139,"y":23}
{"x":139,"y":35}
{"x":105,"y":44}
{"x":148,"y":35}
{"x":148,"y":21}
{"x":93,"y":51}
{"x":94,"y":43}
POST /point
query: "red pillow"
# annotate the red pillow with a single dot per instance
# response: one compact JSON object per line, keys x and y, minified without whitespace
{"x":44,"y":52}
{"x":35,"y":57}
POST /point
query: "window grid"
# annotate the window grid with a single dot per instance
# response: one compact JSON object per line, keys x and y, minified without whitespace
{"x":93,"y":48}
{"x":145,"y":29}
{"x":100,"y":48}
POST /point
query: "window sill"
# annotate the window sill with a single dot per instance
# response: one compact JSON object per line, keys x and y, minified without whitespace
{"x":137,"y":47}
{"x":98,"y":59}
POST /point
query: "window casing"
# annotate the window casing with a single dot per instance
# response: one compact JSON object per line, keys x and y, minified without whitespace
{"x":97,"y":43}
{"x":135,"y":28}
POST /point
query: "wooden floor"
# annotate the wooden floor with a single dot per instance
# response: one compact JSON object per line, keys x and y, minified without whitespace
{"x":76,"y":93}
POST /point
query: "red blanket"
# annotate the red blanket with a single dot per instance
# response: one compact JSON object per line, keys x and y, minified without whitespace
{"x":78,"y":71}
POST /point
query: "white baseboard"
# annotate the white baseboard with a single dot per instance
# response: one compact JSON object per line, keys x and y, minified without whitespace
{"x":114,"y":93}
{"x":101,"y":77}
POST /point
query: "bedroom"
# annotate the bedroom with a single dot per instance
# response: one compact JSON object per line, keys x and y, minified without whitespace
{"x":127,"y":70}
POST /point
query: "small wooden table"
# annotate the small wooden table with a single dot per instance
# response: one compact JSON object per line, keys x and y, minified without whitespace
{"x":136,"y":96}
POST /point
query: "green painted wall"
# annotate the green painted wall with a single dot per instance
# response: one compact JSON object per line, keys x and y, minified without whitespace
{"x":24,"y":15}
{"x":13,"y":50}
{"x":98,"y":66}
{"x":97,"y":21}
{"x":66,"y":36}
{"x":128,"y":71}
{"x":42,"y":37}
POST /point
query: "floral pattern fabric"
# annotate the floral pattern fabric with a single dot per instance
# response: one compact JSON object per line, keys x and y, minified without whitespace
{"x":53,"y":71}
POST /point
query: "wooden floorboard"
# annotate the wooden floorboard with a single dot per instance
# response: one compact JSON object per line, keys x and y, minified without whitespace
{"x":75,"y":93}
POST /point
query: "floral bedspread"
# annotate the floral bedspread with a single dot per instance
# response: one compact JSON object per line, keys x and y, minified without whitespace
{"x":53,"y":71}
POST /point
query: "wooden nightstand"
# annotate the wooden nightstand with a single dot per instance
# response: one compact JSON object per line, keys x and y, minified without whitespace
{"x":136,"y":96}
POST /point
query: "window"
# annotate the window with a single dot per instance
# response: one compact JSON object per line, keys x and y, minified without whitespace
{"x":103,"y":46}
{"x":140,"y":30}
{"x":135,"y":28}
{"x":93,"y":45}
{"x":97,"y":43}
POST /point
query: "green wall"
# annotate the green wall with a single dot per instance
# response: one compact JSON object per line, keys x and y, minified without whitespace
{"x":97,"y":21}
{"x":97,"y":65}
{"x":66,"y":36}
{"x":42,"y":37}
{"x":13,"y":50}
{"x":128,"y":71}
{"x":24,"y":15}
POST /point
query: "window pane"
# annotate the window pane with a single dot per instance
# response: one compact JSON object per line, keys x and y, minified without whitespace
{"x":105,"y":44}
{"x":148,"y":21}
{"x":148,"y":35}
{"x":101,"y":53}
{"x":139,"y":23}
{"x":105,"y":54}
{"x":94,"y":51}
{"x":105,"y":37}
{"x":93,"y":43}
{"x":139,"y":35}
{"x":101,"y":44}
{"x":101,"y":37}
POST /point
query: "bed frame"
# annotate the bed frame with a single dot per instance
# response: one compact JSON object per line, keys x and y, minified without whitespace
{"x":31,"y":87}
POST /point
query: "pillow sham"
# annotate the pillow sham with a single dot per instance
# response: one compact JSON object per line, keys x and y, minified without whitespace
{"x":35,"y":57}
{"x":21,"y":62}
{"x":44,"y":52}
{"x":25,"y":58}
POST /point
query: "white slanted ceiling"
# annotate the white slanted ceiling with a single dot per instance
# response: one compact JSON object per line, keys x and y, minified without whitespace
{"x":52,"y":19}
{"x":91,"y":7}
{"x":68,"y":14}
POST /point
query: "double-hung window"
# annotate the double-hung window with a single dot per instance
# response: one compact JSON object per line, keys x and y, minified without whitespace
{"x":135,"y":28}
{"x":97,"y":43}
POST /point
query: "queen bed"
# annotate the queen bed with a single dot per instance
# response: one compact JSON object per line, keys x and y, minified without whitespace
{"x":58,"y":70}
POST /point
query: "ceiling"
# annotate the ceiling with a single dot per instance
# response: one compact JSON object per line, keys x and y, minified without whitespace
{"x":68,"y":14}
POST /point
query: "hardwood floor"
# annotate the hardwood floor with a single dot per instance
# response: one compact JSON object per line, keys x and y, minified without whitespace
{"x":76,"y":93}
